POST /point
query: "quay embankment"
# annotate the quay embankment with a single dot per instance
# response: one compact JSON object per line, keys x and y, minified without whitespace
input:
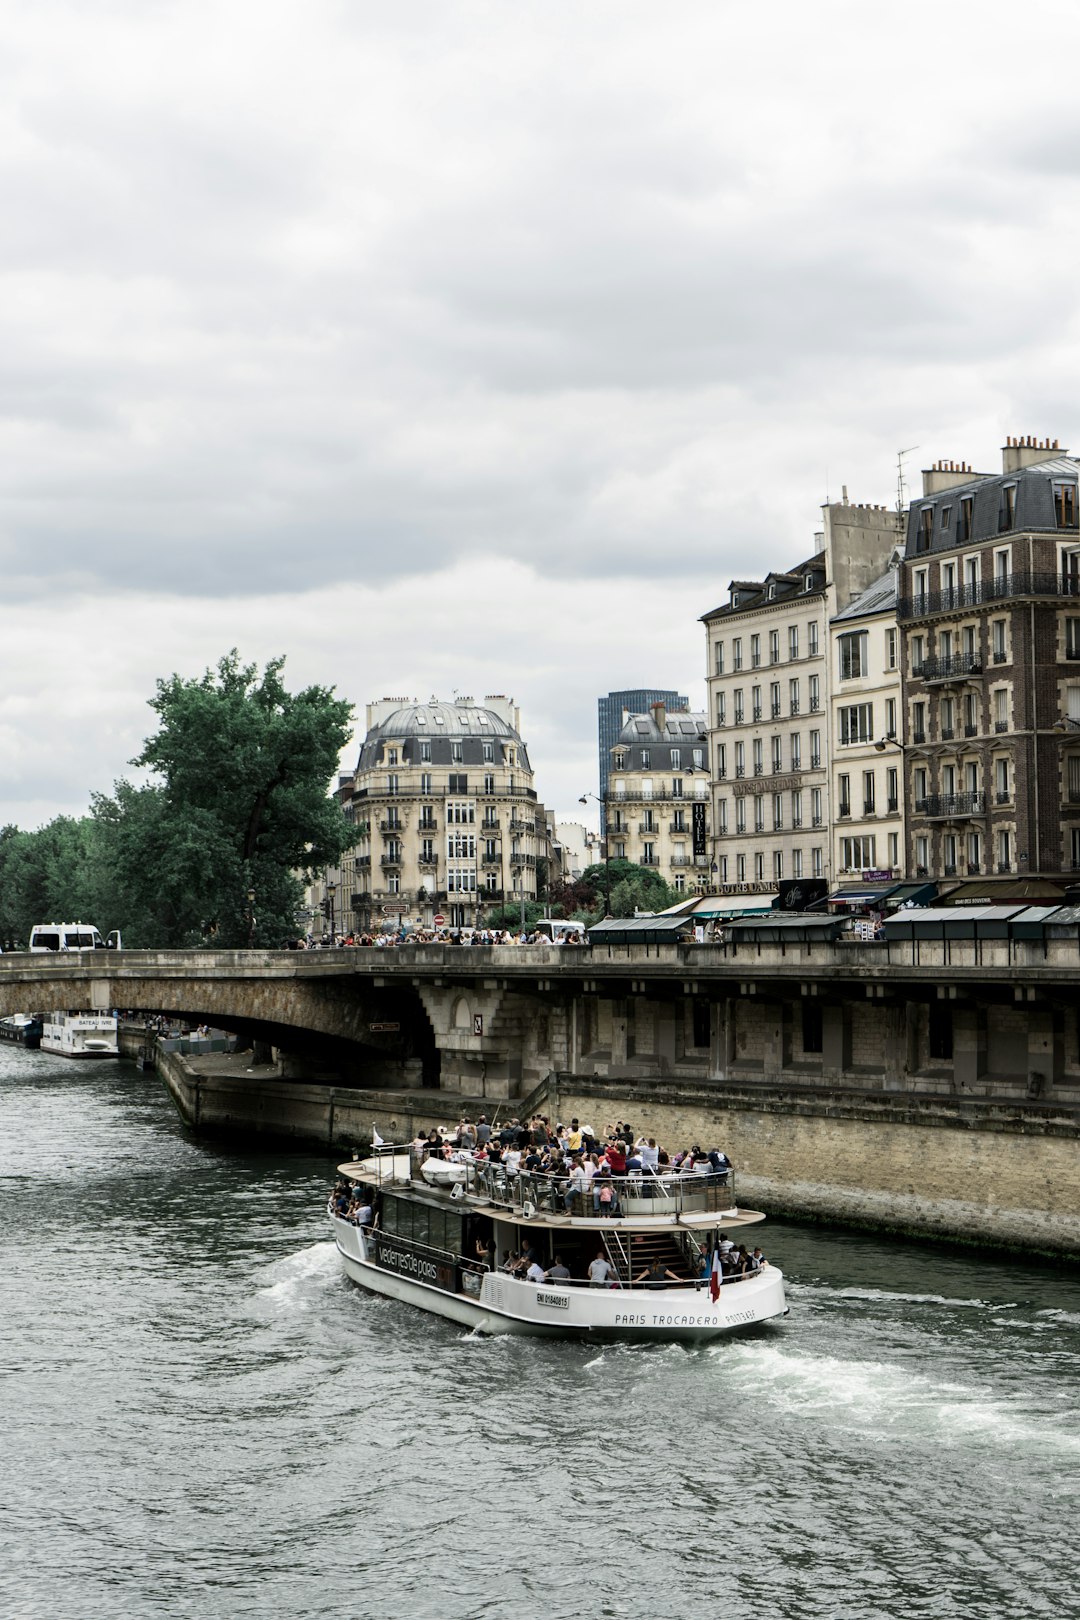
{"x":991,"y":1173}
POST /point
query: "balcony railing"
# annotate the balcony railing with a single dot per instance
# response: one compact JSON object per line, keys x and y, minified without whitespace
{"x":1001,"y":589}
{"x":954,"y":667}
{"x":951,"y":806}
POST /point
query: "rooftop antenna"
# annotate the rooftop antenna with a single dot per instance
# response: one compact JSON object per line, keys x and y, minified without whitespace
{"x":900,"y":454}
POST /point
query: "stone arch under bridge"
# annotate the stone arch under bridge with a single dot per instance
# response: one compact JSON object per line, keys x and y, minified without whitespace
{"x":347,"y":1026}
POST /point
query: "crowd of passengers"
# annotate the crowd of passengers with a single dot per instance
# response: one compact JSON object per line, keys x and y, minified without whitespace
{"x":736,"y":1262}
{"x":583,"y":1163}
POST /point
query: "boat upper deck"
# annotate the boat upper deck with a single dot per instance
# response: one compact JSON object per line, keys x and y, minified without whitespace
{"x":640,"y":1200}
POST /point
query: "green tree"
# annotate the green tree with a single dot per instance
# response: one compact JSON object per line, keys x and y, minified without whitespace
{"x":621,"y":887}
{"x":46,"y":876}
{"x":240,"y":806}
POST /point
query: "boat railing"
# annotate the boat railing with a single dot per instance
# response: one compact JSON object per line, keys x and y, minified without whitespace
{"x":640,"y":1193}
{"x":698,"y":1284}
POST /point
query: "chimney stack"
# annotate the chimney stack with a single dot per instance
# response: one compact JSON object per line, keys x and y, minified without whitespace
{"x":1028,"y":452}
{"x":659,"y":714}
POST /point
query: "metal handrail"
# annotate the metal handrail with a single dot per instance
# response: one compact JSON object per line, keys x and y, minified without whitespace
{"x":691,"y":1191}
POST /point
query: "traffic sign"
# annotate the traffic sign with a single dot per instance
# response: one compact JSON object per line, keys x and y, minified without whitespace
{"x":438,"y":919}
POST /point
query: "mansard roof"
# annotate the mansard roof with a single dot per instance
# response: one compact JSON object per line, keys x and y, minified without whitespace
{"x":780,"y":586}
{"x":1034,"y":507}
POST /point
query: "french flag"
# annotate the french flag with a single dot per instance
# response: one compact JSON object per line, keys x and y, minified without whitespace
{"x":714,"y":1276}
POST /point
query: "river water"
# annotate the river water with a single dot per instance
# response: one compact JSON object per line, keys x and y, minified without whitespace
{"x":201,"y":1417}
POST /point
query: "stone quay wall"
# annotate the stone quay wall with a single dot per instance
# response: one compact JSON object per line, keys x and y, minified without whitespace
{"x":1004,"y":1176}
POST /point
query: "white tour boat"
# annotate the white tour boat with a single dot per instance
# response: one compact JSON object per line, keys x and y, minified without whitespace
{"x":80,"y":1034}
{"x":437,"y":1229}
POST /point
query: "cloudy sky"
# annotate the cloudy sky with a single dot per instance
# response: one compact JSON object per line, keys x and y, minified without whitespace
{"x":475,"y":347}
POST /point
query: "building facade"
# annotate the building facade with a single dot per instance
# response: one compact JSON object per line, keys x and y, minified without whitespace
{"x":770,"y":690}
{"x":612,"y":712}
{"x":865,"y":733}
{"x":447,"y":818}
{"x":990,"y":615}
{"x":658,"y":796}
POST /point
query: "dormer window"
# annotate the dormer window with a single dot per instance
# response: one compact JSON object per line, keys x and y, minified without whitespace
{"x":808,"y":583}
{"x":1065,"y":505}
{"x":946,"y":516}
{"x":734,"y":598}
{"x":771,"y":593}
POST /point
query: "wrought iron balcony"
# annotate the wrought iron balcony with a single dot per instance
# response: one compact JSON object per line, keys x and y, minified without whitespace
{"x":954,"y":667}
{"x":1000,"y":589}
{"x":951,"y":806}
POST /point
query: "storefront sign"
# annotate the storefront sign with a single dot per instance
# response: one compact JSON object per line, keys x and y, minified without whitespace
{"x":699,"y":829}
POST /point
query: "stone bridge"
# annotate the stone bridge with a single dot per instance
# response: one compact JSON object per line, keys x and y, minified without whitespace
{"x":972,"y":1018}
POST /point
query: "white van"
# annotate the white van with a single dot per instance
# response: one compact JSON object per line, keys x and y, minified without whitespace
{"x":559,"y":931}
{"x":70,"y":937}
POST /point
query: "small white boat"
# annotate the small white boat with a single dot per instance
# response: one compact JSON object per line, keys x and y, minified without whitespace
{"x":80,"y":1034}
{"x":652,"y":1268}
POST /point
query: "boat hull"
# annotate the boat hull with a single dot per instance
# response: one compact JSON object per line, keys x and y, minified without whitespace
{"x":80,"y":1035}
{"x":508,"y":1306}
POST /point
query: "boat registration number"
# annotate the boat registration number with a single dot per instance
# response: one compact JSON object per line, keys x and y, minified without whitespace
{"x":558,"y":1302}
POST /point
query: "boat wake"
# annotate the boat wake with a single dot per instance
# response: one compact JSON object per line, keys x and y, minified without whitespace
{"x":882,"y":1396}
{"x":886,"y":1296}
{"x":298,"y":1281}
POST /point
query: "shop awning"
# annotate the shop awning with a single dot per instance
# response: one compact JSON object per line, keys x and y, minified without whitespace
{"x":862,"y":894}
{"x":990,"y":891}
{"x":912,"y":894}
{"x":733,"y":905}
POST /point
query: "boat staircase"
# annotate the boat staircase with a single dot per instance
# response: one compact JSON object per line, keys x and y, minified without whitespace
{"x":631,"y":1252}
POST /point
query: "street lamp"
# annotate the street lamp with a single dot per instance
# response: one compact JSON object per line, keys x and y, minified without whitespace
{"x":331,"y":891}
{"x":605,"y":845}
{"x":251,"y":917}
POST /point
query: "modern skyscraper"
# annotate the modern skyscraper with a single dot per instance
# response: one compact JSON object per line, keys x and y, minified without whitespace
{"x":612,"y":711}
